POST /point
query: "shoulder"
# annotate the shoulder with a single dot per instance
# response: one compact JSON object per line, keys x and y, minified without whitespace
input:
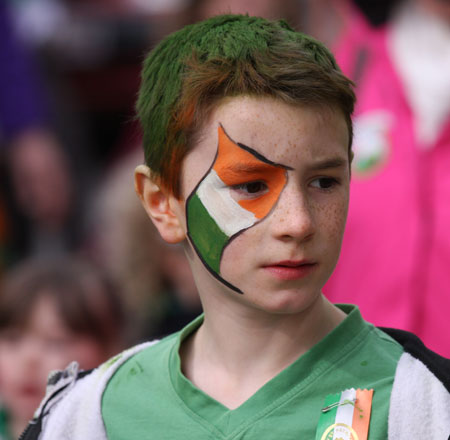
{"x":71,"y":409}
{"x":138,"y":383}
{"x":438,"y":366}
{"x":420,"y":398}
{"x":385,"y":347}
{"x":145,"y":362}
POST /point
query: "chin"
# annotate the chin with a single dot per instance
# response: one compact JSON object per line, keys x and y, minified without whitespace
{"x":24,"y":408}
{"x":285,"y":302}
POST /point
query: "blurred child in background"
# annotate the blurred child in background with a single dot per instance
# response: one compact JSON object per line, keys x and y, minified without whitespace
{"x":51,"y":313}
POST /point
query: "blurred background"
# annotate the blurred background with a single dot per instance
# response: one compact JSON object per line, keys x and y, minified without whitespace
{"x":69,"y":75}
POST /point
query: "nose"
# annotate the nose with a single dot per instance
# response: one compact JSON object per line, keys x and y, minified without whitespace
{"x":293,"y":216}
{"x":31,"y":351}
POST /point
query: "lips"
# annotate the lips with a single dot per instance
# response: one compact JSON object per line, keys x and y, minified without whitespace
{"x":290,"y":269}
{"x":31,"y":391}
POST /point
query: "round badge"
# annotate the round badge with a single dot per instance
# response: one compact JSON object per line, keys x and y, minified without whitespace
{"x":340,"y":431}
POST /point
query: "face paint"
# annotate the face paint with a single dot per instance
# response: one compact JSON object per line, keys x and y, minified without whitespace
{"x":224,"y":204}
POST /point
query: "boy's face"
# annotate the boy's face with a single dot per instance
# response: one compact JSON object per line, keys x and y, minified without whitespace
{"x":265,"y":197}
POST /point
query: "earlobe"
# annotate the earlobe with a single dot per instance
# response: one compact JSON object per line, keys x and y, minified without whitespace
{"x":159,"y":206}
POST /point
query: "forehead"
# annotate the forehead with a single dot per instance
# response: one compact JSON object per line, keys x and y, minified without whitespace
{"x":291,"y":135}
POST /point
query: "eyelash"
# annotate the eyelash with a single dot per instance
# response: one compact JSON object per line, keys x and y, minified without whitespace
{"x":331,"y":182}
{"x":244,"y":188}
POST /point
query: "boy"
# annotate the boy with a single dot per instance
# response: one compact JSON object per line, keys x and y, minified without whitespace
{"x":247,"y":133}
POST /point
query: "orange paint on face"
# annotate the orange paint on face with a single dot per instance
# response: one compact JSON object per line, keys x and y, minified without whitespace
{"x":235,"y":165}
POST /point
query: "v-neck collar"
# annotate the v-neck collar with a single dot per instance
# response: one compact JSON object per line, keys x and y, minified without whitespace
{"x":295,"y":378}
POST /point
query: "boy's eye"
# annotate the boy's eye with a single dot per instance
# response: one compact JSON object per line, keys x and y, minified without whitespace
{"x":11,"y":336}
{"x":324,"y":182}
{"x":251,"y":189}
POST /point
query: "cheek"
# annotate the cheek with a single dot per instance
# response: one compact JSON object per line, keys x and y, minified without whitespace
{"x":236,"y":253}
{"x":11,"y":362}
{"x":52,"y":360}
{"x":333,"y":218}
{"x":87,"y":352}
{"x":7,"y":362}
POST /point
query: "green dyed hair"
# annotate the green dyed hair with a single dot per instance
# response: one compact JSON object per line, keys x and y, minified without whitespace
{"x":191,"y":70}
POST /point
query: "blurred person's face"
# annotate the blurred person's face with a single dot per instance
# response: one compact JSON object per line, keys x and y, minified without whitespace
{"x":28,"y":354}
{"x":40,"y":176}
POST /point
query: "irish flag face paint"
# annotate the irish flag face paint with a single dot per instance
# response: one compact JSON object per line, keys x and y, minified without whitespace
{"x":239,"y":190}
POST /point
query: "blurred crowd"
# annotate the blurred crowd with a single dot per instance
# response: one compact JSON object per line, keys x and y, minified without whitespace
{"x":82,"y":271}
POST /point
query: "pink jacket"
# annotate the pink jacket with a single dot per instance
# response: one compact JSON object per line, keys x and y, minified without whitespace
{"x":395,"y":261}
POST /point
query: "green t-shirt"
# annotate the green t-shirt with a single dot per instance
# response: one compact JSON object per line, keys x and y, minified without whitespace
{"x":148,"y":397}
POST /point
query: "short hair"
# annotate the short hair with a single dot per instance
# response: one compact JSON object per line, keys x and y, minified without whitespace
{"x":191,"y":70}
{"x":87,"y":302}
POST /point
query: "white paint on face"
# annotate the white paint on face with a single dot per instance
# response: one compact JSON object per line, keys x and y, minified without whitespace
{"x":226,"y":212}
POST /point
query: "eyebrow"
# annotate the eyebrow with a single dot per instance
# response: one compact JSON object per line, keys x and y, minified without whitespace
{"x":335,"y":162}
{"x":248,"y":168}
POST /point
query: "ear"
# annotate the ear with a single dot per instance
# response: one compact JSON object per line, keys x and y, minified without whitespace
{"x":163,"y":208}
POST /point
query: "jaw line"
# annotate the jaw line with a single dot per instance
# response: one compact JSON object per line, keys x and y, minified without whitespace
{"x":211,"y":271}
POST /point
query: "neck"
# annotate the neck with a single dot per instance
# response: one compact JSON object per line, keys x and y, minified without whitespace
{"x":238,"y":350}
{"x":17,"y":425}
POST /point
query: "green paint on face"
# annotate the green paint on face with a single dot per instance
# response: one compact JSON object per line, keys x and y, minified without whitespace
{"x":205,"y":234}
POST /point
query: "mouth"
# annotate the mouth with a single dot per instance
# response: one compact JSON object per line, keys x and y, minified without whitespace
{"x":31,"y":391}
{"x":290,"y":269}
